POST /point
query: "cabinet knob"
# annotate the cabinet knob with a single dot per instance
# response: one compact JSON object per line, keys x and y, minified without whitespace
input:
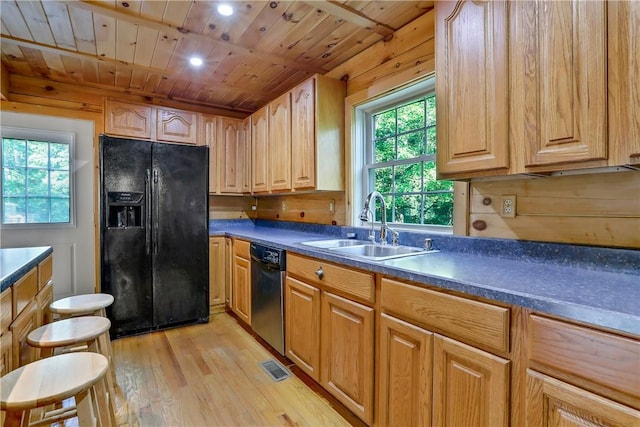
{"x":319,"y":273}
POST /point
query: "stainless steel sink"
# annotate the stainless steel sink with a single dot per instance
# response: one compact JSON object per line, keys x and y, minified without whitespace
{"x":334,"y":243}
{"x":364,"y":249}
{"x":380,"y":253}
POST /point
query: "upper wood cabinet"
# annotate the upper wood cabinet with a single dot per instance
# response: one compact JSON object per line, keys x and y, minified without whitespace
{"x":279,"y":153}
{"x":209,"y":135}
{"x":560,"y":70}
{"x":298,"y":139}
{"x":151,"y":122}
{"x":176,"y":125}
{"x":317,"y":134}
{"x":126,"y":119}
{"x":245,"y":152}
{"x":260,"y":151}
{"x":472,"y":87}
{"x":536,"y":86}
{"x":624,"y":85}
{"x":232,"y":155}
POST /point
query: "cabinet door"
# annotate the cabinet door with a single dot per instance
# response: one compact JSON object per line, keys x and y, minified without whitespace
{"x":302,"y":326}
{"x":228,"y":279}
{"x":562,"y":49}
{"x":624,"y":85}
{"x":473,"y":88}
{"x":404,"y":374}
{"x":210,"y":138}
{"x":229,"y":135}
{"x":244,"y":163}
{"x":303,"y":135}
{"x":347,"y":353}
{"x":260,"y":151}
{"x":470,"y":386}
{"x":217,"y":271}
{"x":553,"y":403}
{"x":176,"y":126}
{"x":242,"y":288}
{"x":26,"y":322}
{"x":280,"y":143}
{"x":6,"y":353}
{"x":44,"y":298}
{"x":124,"y":119}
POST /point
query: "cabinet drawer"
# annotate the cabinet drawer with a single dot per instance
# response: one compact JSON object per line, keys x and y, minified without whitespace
{"x":599,"y":357}
{"x":483,"y":325}
{"x":45,"y":271}
{"x":24,"y":291}
{"x":350,"y":282}
{"x":241,"y":248}
{"x":6,"y":310}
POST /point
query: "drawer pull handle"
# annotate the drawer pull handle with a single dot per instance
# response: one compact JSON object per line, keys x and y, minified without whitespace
{"x":319,"y":273}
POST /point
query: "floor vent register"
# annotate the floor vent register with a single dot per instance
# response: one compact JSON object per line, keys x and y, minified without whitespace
{"x":275,"y":370}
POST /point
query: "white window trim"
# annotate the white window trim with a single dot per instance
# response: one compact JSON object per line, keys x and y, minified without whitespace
{"x":361,"y":150}
{"x":48,"y":136}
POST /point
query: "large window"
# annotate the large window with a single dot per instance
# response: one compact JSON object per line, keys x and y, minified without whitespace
{"x":400,"y":161}
{"x":36,"y":177}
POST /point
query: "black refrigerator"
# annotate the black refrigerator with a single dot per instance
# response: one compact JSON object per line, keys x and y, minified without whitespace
{"x":154,"y":240}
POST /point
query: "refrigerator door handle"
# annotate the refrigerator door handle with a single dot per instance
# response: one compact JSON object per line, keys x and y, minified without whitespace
{"x":156,"y":216}
{"x":147,"y":208}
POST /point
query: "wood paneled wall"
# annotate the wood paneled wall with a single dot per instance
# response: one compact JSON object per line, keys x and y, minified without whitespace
{"x":231,"y":207}
{"x":596,"y":209}
{"x":316,"y":208}
{"x":408,"y":55}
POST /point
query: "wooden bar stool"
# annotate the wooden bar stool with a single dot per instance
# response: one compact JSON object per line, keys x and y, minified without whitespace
{"x":77,"y":334}
{"x":49,"y":382}
{"x":82,"y":305}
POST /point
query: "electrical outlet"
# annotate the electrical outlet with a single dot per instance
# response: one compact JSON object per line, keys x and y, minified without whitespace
{"x":508,"y":206}
{"x":332,"y":206}
{"x":284,"y":206}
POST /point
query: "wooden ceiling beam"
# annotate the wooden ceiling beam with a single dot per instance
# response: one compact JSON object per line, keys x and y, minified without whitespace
{"x":134,"y":67}
{"x":354,"y":16}
{"x":179,"y":32}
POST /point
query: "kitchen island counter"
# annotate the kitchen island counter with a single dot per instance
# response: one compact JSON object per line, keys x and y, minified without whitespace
{"x":601,"y":288}
{"x":16,"y":262}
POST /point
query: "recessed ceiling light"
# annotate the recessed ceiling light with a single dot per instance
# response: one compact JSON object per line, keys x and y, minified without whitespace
{"x":225,"y":10}
{"x":195,"y":61}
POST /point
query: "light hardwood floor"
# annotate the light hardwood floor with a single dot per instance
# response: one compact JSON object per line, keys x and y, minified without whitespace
{"x":208,"y":375}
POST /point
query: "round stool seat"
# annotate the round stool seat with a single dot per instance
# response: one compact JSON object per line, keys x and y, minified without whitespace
{"x":68,"y":331}
{"x":51,"y":380}
{"x":79,"y":304}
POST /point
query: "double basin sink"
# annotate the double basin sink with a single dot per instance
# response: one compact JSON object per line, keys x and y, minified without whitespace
{"x":365,"y":250}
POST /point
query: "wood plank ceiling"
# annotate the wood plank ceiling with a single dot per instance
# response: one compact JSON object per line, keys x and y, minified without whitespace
{"x":143,"y":47}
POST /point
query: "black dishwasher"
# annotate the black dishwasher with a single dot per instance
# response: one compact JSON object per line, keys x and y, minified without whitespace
{"x":267,"y":294}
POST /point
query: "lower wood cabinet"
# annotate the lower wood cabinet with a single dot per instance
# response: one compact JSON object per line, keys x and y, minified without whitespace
{"x":328,"y":334}
{"x":554,"y":403}
{"x":405,"y":374}
{"x":241,"y":285}
{"x":217,"y":273}
{"x":347,"y":343}
{"x":302,"y":326}
{"x":470,"y":386}
{"x":428,"y":379}
{"x":26,"y":322}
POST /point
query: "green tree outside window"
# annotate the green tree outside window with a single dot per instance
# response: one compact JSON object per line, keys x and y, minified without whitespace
{"x":402,"y":165}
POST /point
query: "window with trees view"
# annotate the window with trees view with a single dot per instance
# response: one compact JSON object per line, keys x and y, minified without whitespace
{"x":36,"y":179}
{"x":401,"y":163}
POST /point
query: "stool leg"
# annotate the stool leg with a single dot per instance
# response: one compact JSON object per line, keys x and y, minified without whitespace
{"x":85,"y":407}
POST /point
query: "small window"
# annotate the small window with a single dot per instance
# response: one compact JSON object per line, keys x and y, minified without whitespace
{"x":400,"y":161}
{"x":37,"y":177}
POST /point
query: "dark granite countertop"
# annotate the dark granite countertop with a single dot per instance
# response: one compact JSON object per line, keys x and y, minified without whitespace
{"x":16,"y":262}
{"x":599,"y":286}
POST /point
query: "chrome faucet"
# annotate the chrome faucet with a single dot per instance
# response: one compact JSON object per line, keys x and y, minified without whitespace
{"x":364,"y":216}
